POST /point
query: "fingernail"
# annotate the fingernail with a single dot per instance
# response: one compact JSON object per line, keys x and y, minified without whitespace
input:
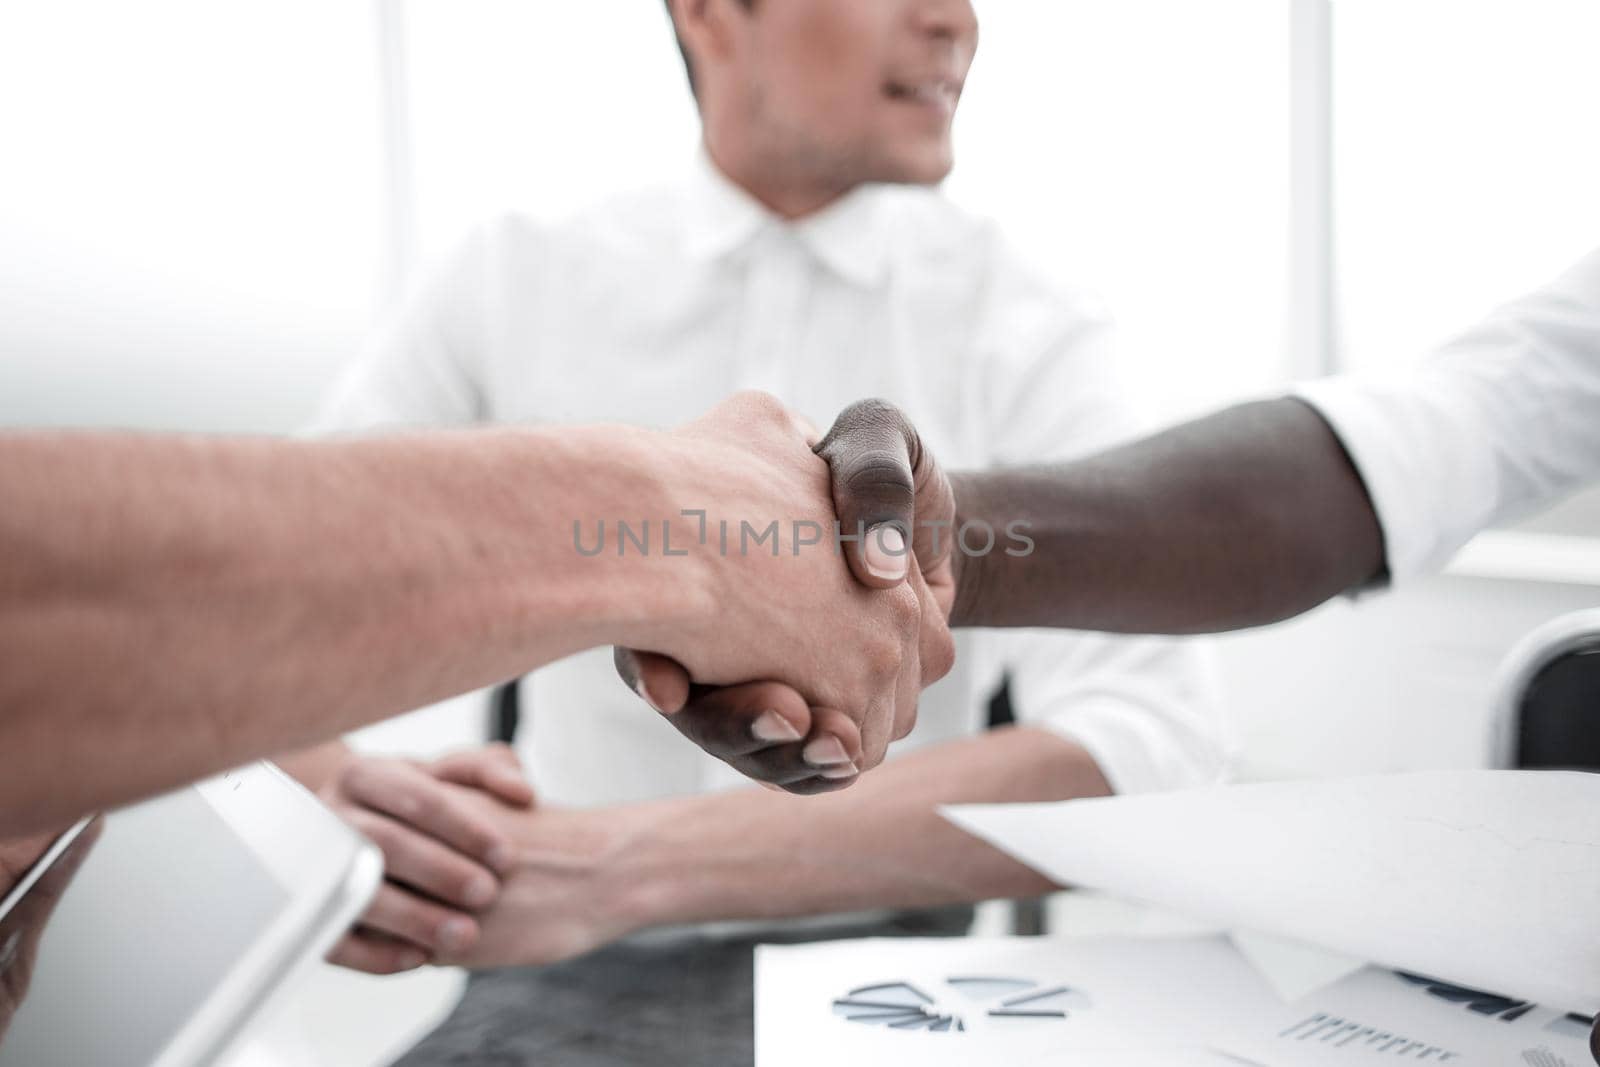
{"x":836,"y":773}
{"x":411,"y":959}
{"x":825,"y":752}
{"x":501,"y":857}
{"x":480,"y":892}
{"x":455,"y":934}
{"x":644,"y":694}
{"x":885,"y":552}
{"x":773,"y":727}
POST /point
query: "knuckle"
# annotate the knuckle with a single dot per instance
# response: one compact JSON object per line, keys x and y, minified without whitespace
{"x":905,"y":722}
{"x":418,"y":922}
{"x":374,"y":829}
{"x":883,"y":656}
{"x":874,"y":412}
{"x":905,"y":609}
{"x":695,"y":724}
{"x":358,"y":777}
{"x":940,"y":659}
{"x":482,"y":839}
{"x":462,"y":881}
{"x":426,"y":804}
{"x":760,"y":403}
{"x":721,"y":731}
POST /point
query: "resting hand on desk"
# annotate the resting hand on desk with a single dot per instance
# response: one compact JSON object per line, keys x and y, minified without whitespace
{"x":546,"y":895}
{"x":582,"y":878}
{"x":444,"y":856}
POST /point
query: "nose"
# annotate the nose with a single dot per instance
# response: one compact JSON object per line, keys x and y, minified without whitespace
{"x":951,"y":19}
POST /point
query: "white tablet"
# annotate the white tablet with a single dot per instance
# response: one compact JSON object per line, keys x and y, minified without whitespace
{"x":151,"y":935}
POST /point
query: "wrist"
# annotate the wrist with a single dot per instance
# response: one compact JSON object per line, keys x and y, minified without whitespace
{"x":652,"y":878}
{"x":625,"y":578}
{"x":668,"y":875}
{"x":967,"y":571}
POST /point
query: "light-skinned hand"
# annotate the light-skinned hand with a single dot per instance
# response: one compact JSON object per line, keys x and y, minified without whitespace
{"x":443,"y":856}
{"x":882,"y":477}
{"x":850,"y":650}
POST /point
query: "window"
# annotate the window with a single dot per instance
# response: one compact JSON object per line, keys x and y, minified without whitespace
{"x":1141,"y":148}
{"x":189,"y":218}
{"x":1466,"y":165}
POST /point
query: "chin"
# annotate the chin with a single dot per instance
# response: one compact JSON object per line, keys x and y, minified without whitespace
{"x":926,"y":164}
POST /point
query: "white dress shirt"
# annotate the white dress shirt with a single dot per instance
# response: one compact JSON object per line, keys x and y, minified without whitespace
{"x":651,"y":308}
{"x":1501,"y":421}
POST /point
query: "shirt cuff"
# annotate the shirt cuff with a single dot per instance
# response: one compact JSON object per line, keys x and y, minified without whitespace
{"x":1136,"y":753}
{"x":1423,"y":478}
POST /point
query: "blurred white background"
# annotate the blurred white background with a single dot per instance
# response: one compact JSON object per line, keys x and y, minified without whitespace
{"x":203,"y":207}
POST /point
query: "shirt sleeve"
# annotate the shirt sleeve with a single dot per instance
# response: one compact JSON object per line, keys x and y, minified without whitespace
{"x":424,"y":365}
{"x":1499,"y":422}
{"x":1051,"y":388}
{"x":1145,"y":708}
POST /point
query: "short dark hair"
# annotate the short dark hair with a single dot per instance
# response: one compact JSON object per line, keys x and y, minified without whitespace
{"x":688,"y":64}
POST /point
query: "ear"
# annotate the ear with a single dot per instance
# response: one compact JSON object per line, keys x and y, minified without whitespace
{"x":706,"y":27}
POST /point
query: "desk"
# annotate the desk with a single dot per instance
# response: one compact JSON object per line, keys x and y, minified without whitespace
{"x":645,"y":1001}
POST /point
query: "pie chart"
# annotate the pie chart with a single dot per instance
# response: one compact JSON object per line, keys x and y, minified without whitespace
{"x":960,"y":1003}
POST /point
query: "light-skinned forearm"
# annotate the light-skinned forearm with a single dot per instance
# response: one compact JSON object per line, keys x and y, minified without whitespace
{"x":172,"y":606}
{"x":317,"y":766}
{"x":1238,"y":519}
{"x":879,"y":844}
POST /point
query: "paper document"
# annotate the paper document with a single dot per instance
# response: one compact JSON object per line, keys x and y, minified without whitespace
{"x":1489,"y":879}
{"x":1041,"y":1001}
{"x":1128,"y":1001}
{"x":1378,"y":1015}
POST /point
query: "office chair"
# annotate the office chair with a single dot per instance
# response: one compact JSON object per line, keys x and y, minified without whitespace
{"x":1547,"y":698}
{"x":1546,"y":713}
{"x":505,"y":711}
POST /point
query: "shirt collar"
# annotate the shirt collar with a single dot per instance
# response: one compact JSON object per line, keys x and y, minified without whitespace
{"x":849,"y":236}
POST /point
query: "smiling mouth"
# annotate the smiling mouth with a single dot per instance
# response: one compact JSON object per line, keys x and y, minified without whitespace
{"x":932,"y":92}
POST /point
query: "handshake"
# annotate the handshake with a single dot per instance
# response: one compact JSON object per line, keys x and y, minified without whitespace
{"x":802,"y":587}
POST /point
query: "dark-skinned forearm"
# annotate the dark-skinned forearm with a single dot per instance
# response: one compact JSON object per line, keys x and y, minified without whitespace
{"x":1238,"y":519}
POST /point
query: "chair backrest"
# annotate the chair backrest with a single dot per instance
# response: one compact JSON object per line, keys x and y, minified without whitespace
{"x":1547,"y":697}
{"x":505,"y":711}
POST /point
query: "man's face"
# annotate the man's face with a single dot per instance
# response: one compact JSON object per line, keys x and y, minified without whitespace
{"x":851,"y":90}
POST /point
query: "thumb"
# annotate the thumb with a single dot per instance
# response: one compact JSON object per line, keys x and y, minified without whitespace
{"x":889,"y":490}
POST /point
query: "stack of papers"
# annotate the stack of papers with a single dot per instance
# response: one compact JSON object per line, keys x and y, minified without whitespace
{"x":997,"y":1000}
{"x":1489,"y":879}
{"x":1476,"y":895}
{"x":1123,"y":1001}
